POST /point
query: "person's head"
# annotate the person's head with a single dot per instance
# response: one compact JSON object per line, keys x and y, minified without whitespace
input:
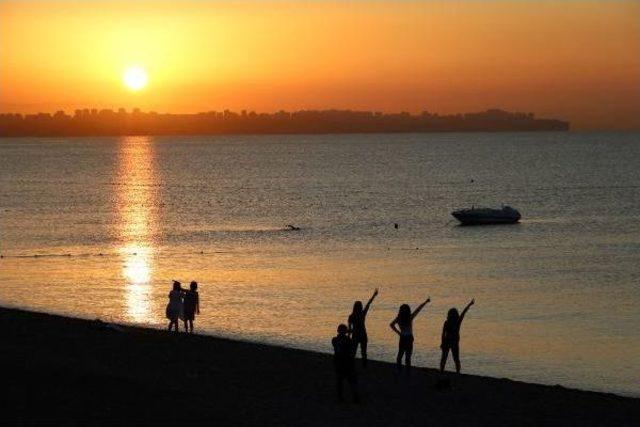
{"x":452,"y":315}
{"x":404,"y":314}
{"x":176,"y":285}
{"x":357,"y":307}
{"x":193,"y":286}
{"x":342,"y":329}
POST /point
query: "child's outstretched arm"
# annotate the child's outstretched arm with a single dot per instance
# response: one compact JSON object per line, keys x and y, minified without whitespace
{"x":366,"y":307}
{"x":473,"y":301}
{"x":197,"y":303}
{"x":420,"y":307}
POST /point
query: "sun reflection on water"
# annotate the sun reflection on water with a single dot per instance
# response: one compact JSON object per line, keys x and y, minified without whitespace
{"x":137,"y":200}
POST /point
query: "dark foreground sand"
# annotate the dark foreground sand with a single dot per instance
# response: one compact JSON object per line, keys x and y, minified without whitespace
{"x":65,"y":371}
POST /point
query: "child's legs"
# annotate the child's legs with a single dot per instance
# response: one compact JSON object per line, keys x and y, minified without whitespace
{"x":407,"y":357}
{"x":353,"y":384}
{"x":339,"y":380}
{"x":400,"y":354}
{"x":443,"y":359}
{"x":191,"y":325}
{"x":408,"y":351}
{"x":363,"y":349}
{"x":455,"y":351}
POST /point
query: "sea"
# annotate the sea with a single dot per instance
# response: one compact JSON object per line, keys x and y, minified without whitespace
{"x":98,"y":228}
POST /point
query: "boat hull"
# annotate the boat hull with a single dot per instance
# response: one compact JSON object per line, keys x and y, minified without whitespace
{"x":486,"y":217}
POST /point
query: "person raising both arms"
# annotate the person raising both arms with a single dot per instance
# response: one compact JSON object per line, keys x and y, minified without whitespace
{"x":357,"y":328}
{"x":451,"y":336}
{"x":403,"y":326}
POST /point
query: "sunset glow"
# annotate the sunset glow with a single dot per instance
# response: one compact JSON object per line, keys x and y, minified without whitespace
{"x":135,"y":78}
{"x":575,"y":60}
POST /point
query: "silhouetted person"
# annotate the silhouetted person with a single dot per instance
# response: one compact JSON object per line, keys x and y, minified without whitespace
{"x":191,"y":306}
{"x":344,"y":352}
{"x":451,"y":336}
{"x":357,"y":327}
{"x":174,"y":308}
{"x":404,"y":322}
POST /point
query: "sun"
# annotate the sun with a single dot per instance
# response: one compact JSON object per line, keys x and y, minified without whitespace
{"x":135,"y":78}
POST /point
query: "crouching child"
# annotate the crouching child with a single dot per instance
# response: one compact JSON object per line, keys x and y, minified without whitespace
{"x":344,"y":352}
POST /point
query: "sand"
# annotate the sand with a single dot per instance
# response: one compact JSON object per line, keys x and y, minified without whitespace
{"x":59,"y":370}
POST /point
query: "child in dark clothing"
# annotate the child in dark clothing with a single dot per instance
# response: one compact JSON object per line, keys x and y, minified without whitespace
{"x":344,"y":352}
{"x":191,"y":306}
{"x":451,"y":336}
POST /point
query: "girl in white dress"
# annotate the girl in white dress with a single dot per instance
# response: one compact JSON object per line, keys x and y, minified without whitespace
{"x":174,"y":308}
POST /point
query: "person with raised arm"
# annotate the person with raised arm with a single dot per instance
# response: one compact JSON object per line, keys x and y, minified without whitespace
{"x":451,"y":336}
{"x":403,"y":326}
{"x":357,"y":327}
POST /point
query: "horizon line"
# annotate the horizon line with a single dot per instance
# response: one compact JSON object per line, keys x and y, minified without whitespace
{"x":136,"y":110}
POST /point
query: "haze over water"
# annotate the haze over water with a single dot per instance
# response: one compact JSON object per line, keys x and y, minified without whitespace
{"x":98,"y":228}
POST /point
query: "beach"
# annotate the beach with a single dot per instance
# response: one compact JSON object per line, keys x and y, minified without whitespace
{"x":70,"y":371}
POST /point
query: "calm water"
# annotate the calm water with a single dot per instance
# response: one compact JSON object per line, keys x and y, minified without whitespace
{"x":98,"y":227}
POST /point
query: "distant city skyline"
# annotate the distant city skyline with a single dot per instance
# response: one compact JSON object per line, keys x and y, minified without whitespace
{"x":574,"y":60}
{"x":108,"y":122}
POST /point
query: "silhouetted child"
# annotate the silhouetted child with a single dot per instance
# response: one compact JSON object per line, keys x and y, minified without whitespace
{"x":404,"y":321}
{"x":343,"y":358}
{"x":174,"y":308}
{"x":451,"y":336}
{"x":357,"y":328}
{"x":191,"y":306}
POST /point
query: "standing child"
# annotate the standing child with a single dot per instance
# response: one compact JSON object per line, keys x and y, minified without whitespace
{"x":174,"y":308}
{"x":357,"y":328}
{"x":191,"y":306}
{"x":451,"y":336}
{"x":343,"y":359}
{"x":404,"y":321}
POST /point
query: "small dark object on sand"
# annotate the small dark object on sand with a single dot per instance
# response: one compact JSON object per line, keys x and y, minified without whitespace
{"x":443,"y":384}
{"x":292,"y":227}
{"x":395,"y":225}
{"x":99,"y":324}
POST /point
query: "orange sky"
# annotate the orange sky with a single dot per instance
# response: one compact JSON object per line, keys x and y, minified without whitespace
{"x":576,"y":60}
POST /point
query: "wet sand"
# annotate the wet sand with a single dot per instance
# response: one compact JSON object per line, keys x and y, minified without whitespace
{"x":78,"y":372}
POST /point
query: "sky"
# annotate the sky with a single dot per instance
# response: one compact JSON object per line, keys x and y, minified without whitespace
{"x":568,"y":59}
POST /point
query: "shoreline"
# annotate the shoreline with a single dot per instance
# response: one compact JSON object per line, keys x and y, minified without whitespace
{"x":238,"y":339}
{"x":71,"y":370}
